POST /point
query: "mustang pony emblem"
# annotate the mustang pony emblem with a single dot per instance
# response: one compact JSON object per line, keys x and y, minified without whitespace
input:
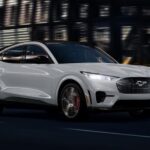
{"x":141,"y":83}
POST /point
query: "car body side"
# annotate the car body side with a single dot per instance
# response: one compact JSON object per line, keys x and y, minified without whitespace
{"x":40,"y":83}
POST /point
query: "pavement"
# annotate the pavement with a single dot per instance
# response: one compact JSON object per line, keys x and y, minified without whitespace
{"x":22,"y":129}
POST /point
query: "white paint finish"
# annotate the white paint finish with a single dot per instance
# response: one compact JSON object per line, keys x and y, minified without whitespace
{"x":27,"y":92}
{"x":31,"y":80}
{"x":42,"y":81}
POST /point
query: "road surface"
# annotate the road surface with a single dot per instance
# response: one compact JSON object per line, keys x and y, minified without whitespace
{"x":22,"y":129}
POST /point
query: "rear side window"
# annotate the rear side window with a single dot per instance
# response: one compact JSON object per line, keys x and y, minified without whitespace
{"x":37,"y":55}
{"x":14,"y":55}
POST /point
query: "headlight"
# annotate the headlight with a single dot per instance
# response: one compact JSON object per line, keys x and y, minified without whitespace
{"x":95,"y":76}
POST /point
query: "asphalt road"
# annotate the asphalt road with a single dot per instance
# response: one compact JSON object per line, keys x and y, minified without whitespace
{"x":33,"y":129}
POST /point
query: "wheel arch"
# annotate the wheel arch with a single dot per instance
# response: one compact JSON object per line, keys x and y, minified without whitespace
{"x":79,"y":82}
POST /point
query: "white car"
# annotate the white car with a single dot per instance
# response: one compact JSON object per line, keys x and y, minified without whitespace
{"x":71,"y":76}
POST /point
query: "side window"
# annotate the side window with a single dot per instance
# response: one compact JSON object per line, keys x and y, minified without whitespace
{"x":14,"y":55}
{"x":37,"y":55}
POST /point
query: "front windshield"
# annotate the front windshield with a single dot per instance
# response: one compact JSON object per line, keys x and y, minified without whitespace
{"x":76,"y":53}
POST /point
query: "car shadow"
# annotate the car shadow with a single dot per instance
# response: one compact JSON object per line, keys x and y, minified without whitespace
{"x":54,"y":115}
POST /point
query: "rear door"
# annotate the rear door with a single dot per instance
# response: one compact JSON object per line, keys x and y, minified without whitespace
{"x":11,"y":74}
{"x":38,"y":77}
{"x":25,"y":74}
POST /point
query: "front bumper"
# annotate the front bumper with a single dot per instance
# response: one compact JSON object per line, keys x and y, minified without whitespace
{"x":114,"y":100}
{"x":131,"y":104}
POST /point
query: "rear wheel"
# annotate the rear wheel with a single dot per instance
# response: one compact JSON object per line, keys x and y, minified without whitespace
{"x":72,"y":101}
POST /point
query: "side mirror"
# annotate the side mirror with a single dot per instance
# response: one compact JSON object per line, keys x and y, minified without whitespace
{"x":42,"y":59}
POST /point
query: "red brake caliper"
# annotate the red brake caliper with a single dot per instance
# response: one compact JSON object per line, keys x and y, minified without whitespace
{"x":77,"y":102}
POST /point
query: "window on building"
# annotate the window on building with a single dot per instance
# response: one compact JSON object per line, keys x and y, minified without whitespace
{"x":12,"y":36}
{"x":60,"y":33}
{"x":1,"y":39}
{"x":125,"y":32}
{"x":146,"y":45}
{"x":64,"y":10}
{"x":8,"y":37}
{"x":104,"y":10}
{"x":131,"y":44}
{"x":40,"y":33}
{"x":102,"y":36}
{"x":146,"y":11}
{"x":1,"y":3}
{"x":146,"y":37}
{"x":81,"y":28}
{"x":128,"y":38}
{"x":23,"y":35}
{"x":42,"y":11}
{"x":1,"y":16}
{"x":26,"y":12}
{"x":11,"y":12}
{"x":128,"y":10}
{"x":83,"y":10}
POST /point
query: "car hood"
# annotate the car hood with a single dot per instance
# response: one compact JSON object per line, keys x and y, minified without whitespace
{"x":110,"y":69}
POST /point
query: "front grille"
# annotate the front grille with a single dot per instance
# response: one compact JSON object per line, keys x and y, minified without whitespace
{"x":134,"y":85}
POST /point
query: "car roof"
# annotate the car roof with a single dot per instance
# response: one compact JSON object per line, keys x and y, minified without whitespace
{"x":61,"y":42}
{"x":44,"y":42}
{"x":6,"y":47}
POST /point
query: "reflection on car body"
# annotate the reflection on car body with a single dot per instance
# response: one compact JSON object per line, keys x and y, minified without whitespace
{"x":73,"y":77}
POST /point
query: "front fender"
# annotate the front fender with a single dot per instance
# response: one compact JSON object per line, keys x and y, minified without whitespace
{"x":83,"y":85}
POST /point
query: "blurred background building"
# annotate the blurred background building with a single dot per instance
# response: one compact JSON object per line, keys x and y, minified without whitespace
{"x":121,"y":27}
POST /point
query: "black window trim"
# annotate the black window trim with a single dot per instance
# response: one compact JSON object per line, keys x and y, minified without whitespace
{"x":13,"y":48}
{"x":50,"y":59}
{"x":24,"y":60}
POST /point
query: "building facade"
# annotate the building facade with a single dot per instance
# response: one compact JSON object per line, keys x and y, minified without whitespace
{"x":121,"y":27}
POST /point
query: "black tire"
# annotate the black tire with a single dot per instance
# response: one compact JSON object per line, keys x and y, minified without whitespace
{"x":81,"y":103}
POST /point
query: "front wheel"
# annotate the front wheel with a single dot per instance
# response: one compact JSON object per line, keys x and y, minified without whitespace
{"x":72,"y":101}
